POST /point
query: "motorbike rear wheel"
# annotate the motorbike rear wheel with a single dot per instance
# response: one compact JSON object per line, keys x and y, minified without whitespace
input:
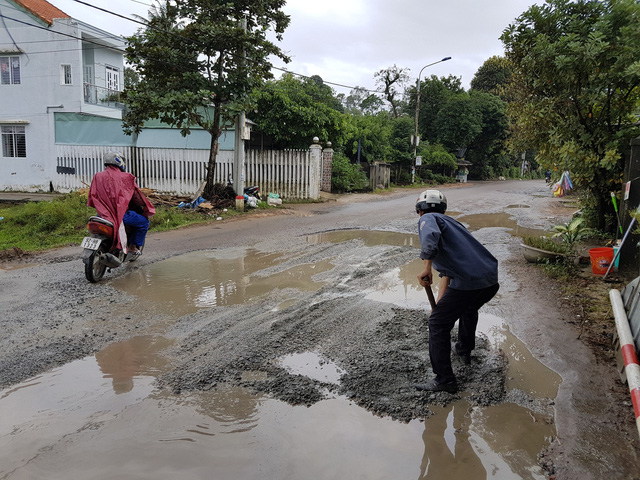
{"x":93,"y":269}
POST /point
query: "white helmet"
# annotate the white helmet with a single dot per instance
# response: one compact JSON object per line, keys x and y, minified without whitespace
{"x":431,"y":201}
{"x":114,"y":158}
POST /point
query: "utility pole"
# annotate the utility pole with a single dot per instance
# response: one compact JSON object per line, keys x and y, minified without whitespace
{"x":238,"y":149}
{"x":416,"y":139}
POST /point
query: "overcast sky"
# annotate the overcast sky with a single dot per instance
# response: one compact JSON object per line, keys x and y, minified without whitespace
{"x":347,"y":41}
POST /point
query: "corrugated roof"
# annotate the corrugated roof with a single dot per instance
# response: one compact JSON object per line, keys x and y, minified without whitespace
{"x":42,"y":9}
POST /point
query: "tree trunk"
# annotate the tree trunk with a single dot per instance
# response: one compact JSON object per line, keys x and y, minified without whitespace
{"x":211,"y":168}
{"x":601,"y":208}
{"x":215,"y":132}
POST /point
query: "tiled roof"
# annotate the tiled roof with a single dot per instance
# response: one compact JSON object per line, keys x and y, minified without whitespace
{"x":42,"y":9}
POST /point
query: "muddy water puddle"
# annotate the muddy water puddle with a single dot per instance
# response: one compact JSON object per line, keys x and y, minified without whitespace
{"x":188,"y":283}
{"x":73,"y":423}
{"x":502,"y":220}
{"x":53,"y":425}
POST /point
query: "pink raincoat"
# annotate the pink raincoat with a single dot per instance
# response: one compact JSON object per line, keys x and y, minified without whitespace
{"x":111,"y":193}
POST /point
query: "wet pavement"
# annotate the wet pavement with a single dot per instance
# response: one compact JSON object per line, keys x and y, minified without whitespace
{"x":201,"y":354}
{"x":60,"y":416}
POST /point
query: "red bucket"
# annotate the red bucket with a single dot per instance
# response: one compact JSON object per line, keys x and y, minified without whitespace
{"x":601,"y":258}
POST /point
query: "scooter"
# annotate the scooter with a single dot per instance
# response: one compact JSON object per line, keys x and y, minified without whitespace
{"x":100,"y":252}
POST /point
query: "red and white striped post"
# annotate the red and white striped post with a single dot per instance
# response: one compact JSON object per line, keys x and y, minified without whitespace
{"x":627,"y":345}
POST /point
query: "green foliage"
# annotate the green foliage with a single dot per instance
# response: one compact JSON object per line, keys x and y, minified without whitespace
{"x":434,"y":94}
{"x":197,"y":62}
{"x":346,"y":176}
{"x":401,"y":151}
{"x":374,"y":134}
{"x":572,"y":232}
{"x":458,"y":123}
{"x":429,"y":177}
{"x":576,"y":89}
{"x":437,"y":156}
{"x":493,"y":76}
{"x":361,"y":102}
{"x":292,"y":111}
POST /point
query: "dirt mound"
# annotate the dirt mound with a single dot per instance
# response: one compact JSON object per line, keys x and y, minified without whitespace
{"x":12,"y":253}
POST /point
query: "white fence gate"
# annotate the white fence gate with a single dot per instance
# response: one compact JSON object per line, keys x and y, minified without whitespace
{"x":290,"y":173}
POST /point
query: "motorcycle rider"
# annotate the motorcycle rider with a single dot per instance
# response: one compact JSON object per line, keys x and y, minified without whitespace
{"x":117,"y":198}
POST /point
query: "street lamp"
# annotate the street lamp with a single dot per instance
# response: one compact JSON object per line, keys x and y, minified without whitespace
{"x":415,"y":138}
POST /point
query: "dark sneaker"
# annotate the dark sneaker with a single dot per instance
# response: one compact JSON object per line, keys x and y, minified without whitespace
{"x":464,"y":357}
{"x":432,"y":386}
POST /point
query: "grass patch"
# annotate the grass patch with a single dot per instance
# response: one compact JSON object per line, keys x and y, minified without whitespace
{"x":40,"y":225}
{"x":37,"y":226}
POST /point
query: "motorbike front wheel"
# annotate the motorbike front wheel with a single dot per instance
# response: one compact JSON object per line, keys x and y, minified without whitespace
{"x":93,"y":269}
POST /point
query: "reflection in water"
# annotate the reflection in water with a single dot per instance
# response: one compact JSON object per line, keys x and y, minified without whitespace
{"x":501,"y":441}
{"x":400,"y":286}
{"x":447,"y":450}
{"x":513,"y":436}
{"x":187,"y":283}
{"x":312,"y":365}
{"x":504,"y":220}
{"x":371,"y":238}
{"x":123,"y":361}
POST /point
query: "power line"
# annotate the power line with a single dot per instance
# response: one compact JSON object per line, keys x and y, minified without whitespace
{"x":173,"y":35}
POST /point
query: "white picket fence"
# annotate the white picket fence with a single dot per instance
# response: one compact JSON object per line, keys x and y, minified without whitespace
{"x":292,"y":174}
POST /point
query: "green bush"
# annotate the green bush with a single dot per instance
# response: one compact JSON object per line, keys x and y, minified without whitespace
{"x":427,"y":176}
{"x":346,"y":176}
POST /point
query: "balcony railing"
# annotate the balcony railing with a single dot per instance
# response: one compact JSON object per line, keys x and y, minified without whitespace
{"x":105,"y":97}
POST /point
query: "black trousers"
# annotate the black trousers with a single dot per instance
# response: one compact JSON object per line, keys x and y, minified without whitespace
{"x":455,"y":305}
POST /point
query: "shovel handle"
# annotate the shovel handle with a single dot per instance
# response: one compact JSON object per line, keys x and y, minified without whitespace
{"x":432,"y":300}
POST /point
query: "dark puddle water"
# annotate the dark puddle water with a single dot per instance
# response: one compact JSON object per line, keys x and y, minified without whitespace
{"x":101,"y":417}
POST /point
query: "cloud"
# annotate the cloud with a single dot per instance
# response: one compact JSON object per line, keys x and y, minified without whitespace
{"x":348,"y":41}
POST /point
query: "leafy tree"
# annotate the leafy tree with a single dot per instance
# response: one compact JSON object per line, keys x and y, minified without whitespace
{"x":360,"y":101}
{"x":458,"y":122}
{"x":131,"y":77}
{"x":576,"y":88}
{"x":493,"y":76}
{"x":401,"y":150}
{"x":374,"y":134}
{"x":198,"y":60}
{"x":391,"y":81}
{"x":487,"y":149}
{"x":293,"y":111}
{"x":434,"y":94}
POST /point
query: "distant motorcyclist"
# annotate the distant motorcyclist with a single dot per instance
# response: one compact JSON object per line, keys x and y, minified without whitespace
{"x":117,"y":198}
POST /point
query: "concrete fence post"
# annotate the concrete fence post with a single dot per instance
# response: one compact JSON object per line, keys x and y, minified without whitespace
{"x":327,"y":164}
{"x":315,"y":169}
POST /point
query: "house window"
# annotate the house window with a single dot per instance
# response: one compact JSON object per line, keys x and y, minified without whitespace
{"x":113,"y":78}
{"x":65,"y":75}
{"x":14,"y":141}
{"x":9,"y":70}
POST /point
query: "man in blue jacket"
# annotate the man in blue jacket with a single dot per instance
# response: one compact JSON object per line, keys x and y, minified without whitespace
{"x":469,"y":279}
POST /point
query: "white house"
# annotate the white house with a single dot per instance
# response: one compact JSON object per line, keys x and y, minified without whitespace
{"x":50,"y":64}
